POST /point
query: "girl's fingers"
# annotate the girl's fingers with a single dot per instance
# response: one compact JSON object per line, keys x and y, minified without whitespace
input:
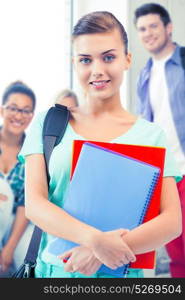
{"x":65,"y":256}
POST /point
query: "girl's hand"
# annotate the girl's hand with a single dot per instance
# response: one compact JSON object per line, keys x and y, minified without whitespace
{"x":80,"y":259}
{"x":110,"y":248}
{"x":6,"y":258}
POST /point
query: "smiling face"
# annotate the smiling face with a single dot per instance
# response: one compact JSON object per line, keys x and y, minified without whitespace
{"x":100,"y":61}
{"x":154,"y":35}
{"x":15,"y":121}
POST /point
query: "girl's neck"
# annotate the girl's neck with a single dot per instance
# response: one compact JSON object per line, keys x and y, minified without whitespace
{"x":9,"y":139}
{"x":98,"y":106}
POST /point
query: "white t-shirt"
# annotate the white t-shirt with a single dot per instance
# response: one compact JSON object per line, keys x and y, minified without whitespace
{"x":6,"y":206}
{"x":161,"y":107}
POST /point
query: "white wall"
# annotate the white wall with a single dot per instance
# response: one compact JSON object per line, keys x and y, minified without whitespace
{"x":33,"y":46}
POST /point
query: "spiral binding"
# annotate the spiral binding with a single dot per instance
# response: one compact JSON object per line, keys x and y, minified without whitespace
{"x":149,"y":195}
{"x":148,"y":198}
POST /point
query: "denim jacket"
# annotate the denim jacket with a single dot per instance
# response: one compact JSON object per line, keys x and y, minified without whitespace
{"x":175,"y":77}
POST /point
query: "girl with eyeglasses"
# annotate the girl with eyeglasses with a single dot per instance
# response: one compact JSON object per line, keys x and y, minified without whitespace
{"x":16,"y":111}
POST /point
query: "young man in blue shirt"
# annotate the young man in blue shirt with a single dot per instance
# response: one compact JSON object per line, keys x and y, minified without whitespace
{"x":161,"y":98}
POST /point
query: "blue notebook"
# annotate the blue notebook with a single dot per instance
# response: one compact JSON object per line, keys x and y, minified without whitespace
{"x":108,"y":191}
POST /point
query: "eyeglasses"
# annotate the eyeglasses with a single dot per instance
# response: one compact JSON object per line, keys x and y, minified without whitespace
{"x":12,"y":110}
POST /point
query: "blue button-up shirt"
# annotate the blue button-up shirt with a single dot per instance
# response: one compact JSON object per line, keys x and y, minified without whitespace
{"x":175,"y":78}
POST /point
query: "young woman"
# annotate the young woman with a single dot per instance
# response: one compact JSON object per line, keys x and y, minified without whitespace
{"x":17,"y":109}
{"x":100,"y":60}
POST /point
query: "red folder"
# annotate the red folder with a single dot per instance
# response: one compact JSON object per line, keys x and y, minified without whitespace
{"x":152,"y":155}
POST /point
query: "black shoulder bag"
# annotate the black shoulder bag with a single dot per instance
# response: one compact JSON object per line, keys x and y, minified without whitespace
{"x":55,"y":124}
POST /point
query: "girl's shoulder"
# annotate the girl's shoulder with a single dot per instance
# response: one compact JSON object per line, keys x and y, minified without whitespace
{"x":149,"y":126}
{"x":144,"y":132}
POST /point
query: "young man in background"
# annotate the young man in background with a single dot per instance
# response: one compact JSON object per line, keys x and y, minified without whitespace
{"x":161,"y":98}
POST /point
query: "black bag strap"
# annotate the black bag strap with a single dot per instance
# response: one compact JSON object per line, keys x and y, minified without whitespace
{"x":54,"y":127}
{"x":182,"y":54}
{"x":55,"y":124}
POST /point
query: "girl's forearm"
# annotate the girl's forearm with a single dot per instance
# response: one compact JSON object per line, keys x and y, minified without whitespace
{"x":161,"y":229}
{"x":153,"y":234}
{"x":46,"y":215}
{"x":19,"y":226}
{"x":54,"y":220}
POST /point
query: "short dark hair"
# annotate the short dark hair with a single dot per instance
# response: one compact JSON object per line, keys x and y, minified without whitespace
{"x":152,"y":8}
{"x":98,"y":22}
{"x":19,"y":87}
